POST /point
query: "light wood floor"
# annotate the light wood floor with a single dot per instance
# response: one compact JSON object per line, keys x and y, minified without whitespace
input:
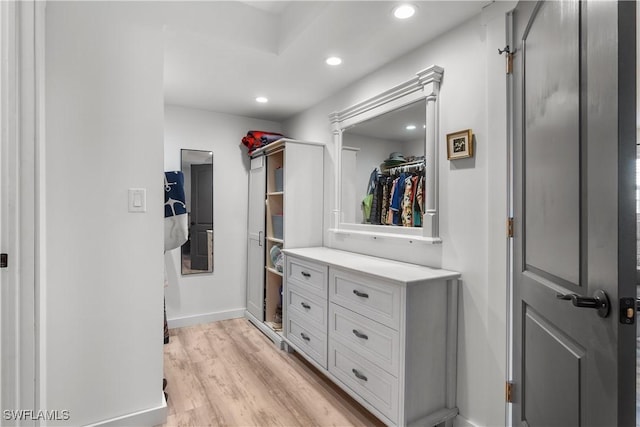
{"x":228,"y":373}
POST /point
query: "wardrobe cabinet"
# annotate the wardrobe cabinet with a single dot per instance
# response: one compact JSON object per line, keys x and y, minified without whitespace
{"x":384,"y":331}
{"x":285,"y":211}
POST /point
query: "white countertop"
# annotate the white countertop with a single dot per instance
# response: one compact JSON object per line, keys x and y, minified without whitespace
{"x":379,"y":267}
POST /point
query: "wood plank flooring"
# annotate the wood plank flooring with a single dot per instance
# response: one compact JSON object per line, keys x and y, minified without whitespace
{"x":228,"y":373}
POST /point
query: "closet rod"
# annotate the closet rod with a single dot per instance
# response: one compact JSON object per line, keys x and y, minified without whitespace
{"x":409,"y":167}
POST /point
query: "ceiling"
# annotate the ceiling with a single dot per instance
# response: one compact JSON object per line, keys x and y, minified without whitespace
{"x":221,"y":55}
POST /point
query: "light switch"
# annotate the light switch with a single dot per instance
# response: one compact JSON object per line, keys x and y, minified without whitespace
{"x":137,"y":200}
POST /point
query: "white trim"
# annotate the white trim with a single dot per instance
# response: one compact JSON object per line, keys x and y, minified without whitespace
{"x":148,"y":417}
{"x":22,"y":73}
{"x":274,"y":336}
{"x":509,"y":36}
{"x":197,"y":319}
{"x":40,"y":203}
{"x":460,"y":421}
{"x":381,"y":232}
{"x":424,"y":86}
{"x":446,"y":415}
{"x":8,"y":276}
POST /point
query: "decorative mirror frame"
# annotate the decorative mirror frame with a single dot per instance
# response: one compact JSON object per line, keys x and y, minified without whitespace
{"x":426,"y":85}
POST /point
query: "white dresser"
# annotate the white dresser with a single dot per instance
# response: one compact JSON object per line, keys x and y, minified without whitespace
{"x":384,"y":331}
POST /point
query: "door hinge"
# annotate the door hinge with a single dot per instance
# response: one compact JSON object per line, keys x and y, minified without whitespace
{"x":507,"y":50}
{"x":509,"y":392}
{"x":510,"y":227}
{"x":4,"y":260}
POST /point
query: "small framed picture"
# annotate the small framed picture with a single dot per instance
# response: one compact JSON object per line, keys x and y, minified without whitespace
{"x":460,"y":145}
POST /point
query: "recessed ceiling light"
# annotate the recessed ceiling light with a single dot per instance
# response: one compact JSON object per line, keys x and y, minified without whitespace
{"x":334,"y":60}
{"x":262,"y":99}
{"x":404,"y":11}
{"x":410,"y":127}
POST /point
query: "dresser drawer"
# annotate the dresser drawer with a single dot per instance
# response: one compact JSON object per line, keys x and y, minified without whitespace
{"x":373,"y":341}
{"x":308,"y":275}
{"x":374,"y":385}
{"x":309,"y":340}
{"x":368,"y":296}
{"x":306,"y":306}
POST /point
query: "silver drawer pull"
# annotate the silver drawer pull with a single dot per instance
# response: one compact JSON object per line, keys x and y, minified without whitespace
{"x":305,"y":274}
{"x":305,"y":305}
{"x":360,"y":294}
{"x":358,"y":374}
{"x":305,"y":336}
{"x":360,"y":334}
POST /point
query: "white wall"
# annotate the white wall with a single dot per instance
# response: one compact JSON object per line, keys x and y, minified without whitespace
{"x":104,"y":277}
{"x":219,"y":295}
{"x":472,"y":205}
{"x":373,"y":151}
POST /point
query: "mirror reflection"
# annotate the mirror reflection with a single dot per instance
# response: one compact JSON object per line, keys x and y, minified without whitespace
{"x":197,"y":252}
{"x":383,"y":163}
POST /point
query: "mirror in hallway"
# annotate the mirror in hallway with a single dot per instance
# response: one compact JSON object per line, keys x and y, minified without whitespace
{"x":197,"y":252}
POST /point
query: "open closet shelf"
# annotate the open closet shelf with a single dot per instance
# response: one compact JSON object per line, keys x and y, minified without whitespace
{"x":274,"y":271}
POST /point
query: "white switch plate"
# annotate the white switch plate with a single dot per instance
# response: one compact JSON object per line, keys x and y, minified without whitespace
{"x":137,"y":200}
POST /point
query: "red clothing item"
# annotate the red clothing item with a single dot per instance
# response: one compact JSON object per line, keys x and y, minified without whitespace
{"x":256,"y":139}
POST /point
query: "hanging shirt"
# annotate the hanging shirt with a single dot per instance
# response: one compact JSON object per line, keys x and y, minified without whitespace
{"x":393,"y":198}
{"x":376,"y":204}
{"x":407,"y":203}
{"x":419,"y":206}
{"x":417,"y":211}
{"x":396,"y":200}
{"x":386,"y":198}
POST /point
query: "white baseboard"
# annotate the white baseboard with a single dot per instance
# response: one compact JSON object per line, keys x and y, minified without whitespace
{"x":274,"y":336}
{"x":459,"y":421}
{"x":148,"y":417}
{"x":197,"y":319}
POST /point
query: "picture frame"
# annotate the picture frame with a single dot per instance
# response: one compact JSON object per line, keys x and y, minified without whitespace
{"x":460,"y":144}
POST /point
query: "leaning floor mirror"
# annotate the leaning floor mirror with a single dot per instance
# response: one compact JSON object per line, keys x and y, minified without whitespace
{"x":197,"y":252}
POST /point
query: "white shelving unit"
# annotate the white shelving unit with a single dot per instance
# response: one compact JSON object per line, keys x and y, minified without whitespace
{"x":299,"y":204}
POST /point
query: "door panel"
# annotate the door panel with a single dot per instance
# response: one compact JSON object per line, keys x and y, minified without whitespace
{"x":573,"y":164}
{"x":255,"y":240}
{"x":559,"y":404}
{"x":201,"y":215}
{"x":552,"y":135}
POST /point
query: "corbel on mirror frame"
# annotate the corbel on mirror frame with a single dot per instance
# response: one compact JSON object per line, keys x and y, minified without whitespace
{"x":425,"y":85}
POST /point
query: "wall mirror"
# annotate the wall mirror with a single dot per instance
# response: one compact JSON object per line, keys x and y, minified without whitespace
{"x":197,"y":252}
{"x":385,"y":143}
{"x":386,"y":149}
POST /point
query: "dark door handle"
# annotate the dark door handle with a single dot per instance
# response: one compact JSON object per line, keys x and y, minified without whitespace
{"x":360,"y":334}
{"x":305,"y":274}
{"x":305,"y":305}
{"x":360,"y":294}
{"x":599,"y":301}
{"x":359,"y":375}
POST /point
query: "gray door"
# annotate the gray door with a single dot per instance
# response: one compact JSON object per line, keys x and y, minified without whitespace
{"x":574,"y":212}
{"x":201,"y":215}
{"x":255,"y":249}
